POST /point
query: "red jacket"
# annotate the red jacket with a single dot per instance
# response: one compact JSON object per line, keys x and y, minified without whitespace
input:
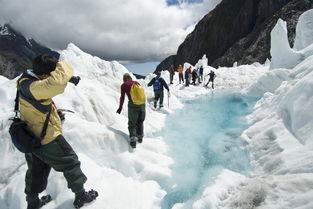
{"x":125,"y":89}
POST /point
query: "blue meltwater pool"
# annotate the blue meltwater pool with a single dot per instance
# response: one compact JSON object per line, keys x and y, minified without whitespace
{"x":203,"y":139}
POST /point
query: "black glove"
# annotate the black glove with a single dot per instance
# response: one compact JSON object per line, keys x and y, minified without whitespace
{"x":119,"y":110}
{"x":75,"y":80}
{"x":61,"y":115}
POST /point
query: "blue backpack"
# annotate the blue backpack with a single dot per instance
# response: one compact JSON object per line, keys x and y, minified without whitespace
{"x":201,"y":70}
{"x":157,"y":84}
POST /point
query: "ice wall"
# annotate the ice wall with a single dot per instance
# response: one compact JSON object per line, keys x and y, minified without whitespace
{"x":281,"y":128}
{"x":304,"y":31}
{"x":283,"y":56}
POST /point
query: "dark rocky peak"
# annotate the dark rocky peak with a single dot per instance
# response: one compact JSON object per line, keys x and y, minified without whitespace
{"x":235,"y":31}
{"x":17,"y":52}
{"x":255,"y":47}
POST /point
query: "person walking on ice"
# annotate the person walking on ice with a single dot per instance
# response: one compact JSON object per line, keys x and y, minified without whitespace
{"x":211,"y":79}
{"x":158,"y":87}
{"x":180,"y":74}
{"x":136,"y":108}
{"x":36,"y":88}
{"x":201,"y":74}
{"x":172,"y":73}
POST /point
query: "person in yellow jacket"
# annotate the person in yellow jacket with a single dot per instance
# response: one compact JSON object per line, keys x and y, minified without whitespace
{"x":36,"y":88}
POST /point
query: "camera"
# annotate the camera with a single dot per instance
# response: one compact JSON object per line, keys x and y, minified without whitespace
{"x":74,"y":80}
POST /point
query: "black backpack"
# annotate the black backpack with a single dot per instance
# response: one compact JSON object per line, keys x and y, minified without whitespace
{"x":23,"y":139}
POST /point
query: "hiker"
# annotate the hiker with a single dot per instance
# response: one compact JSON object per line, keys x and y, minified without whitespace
{"x":180,"y":74}
{"x":36,"y":88}
{"x":136,"y":112}
{"x":172,"y":73}
{"x":188,"y":76}
{"x":211,"y":79}
{"x":194,"y":76}
{"x":158,"y":87}
{"x":200,"y":74}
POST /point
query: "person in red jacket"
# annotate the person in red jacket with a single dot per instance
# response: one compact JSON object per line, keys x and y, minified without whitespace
{"x":136,"y":113}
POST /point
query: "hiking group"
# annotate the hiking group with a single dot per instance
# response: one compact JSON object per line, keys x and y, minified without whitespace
{"x":190,"y":74}
{"x":40,"y":121}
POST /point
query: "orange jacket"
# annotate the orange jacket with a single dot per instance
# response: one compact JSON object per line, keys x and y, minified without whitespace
{"x":180,"y":70}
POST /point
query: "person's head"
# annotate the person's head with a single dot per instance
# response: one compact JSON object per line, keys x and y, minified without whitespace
{"x":44,"y":64}
{"x":158,"y":73}
{"x":127,"y":77}
{"x":212,"y":71}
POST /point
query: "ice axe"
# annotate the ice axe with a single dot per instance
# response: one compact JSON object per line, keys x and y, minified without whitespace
{"x":66,"y":110}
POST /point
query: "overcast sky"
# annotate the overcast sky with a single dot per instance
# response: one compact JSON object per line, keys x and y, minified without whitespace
{"x":129,"y":31}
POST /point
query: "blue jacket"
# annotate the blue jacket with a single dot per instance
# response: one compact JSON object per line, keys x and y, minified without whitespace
{"x":163,"y":83}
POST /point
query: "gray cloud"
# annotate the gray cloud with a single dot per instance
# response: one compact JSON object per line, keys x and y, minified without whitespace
{"x":129,"y":30}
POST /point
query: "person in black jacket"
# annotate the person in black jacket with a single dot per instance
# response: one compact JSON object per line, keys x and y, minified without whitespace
{"x":194,"y":76}
{"x":211,"y":79}
{"x":158,"y":87}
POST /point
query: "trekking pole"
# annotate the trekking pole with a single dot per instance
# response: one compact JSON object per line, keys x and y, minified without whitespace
{"x":168,"y":99}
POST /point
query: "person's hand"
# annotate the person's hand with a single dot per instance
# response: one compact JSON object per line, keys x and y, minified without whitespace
{"x":75,"y":80}
{"x":169,"y":94}
{"x":119,"y":110}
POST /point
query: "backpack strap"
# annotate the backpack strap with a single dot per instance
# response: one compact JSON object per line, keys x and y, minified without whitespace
{"x":16,"y":106}
{"x":26,"y":94}
{"x":45,"y":126}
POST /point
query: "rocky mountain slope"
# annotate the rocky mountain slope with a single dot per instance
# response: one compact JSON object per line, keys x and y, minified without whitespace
{"x":237,"y":31}
{"x":17,"y":53}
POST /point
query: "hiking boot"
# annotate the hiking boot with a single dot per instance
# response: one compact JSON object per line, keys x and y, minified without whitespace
{"x":133,"y":141}
{"x":84,"y":197}
{"x":133,"y":144}
{"x":38,"y":203}
{"x":139,"y":140}
{"x":161,"y":106}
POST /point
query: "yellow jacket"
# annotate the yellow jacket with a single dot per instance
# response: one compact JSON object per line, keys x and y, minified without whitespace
{"x":35,"y":100}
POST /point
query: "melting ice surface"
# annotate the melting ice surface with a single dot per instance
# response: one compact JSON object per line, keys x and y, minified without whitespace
{"x":204,"y":138}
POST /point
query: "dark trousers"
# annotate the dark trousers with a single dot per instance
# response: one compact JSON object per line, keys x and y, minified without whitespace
{"x":58,"y":155}
{"x":200,"y":78}
{"x":187,"y":80}
{"x":194,"y":80}
{"x":158,"y":95}
{"x":171,"y":78}
{"x":136,"y":117}
{"x":210,"y":80}
{"x":181,"y":77}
